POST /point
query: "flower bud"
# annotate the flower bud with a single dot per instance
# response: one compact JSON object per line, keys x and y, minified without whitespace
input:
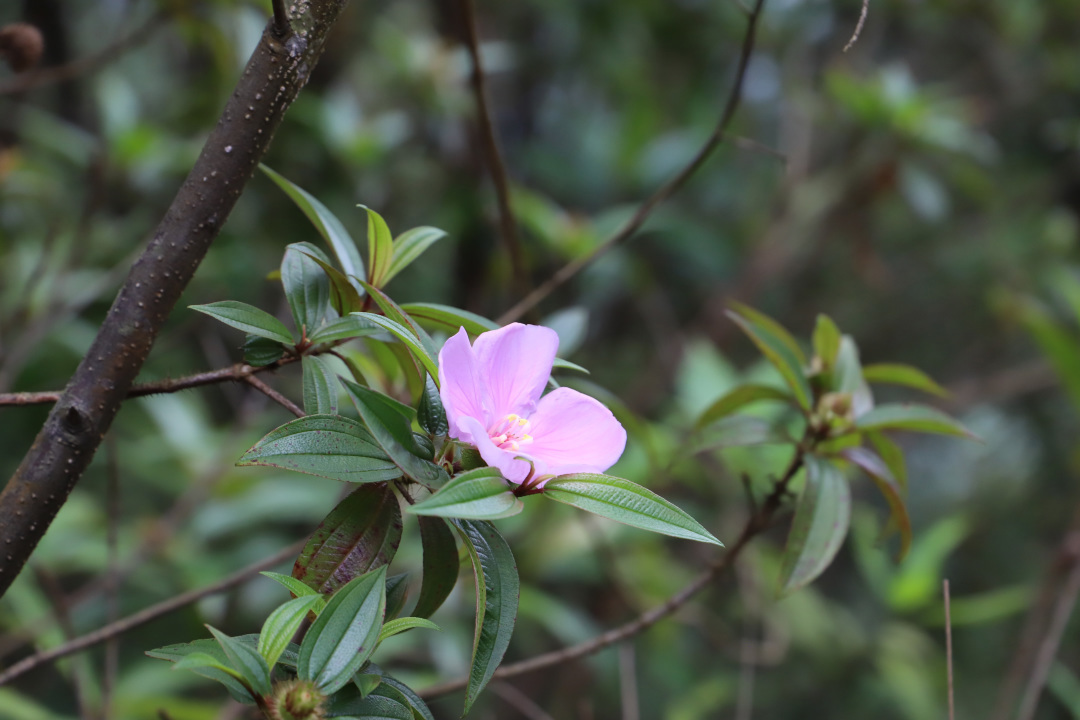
{"x":297,"y":700}
{"x":21,"y":45}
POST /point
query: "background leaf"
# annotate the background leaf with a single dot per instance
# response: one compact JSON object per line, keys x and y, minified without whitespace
{"x":906,"y":416}
{"x":410,"y":245}
{"x":778,"y":347}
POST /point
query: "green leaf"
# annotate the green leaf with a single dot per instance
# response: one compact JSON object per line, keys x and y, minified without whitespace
{"x":248,"y":318}
{"x":399,"y":691}
{"x":307,"y":288}
{"x":890,"y":489}
{"x":739,"y":398}
{"x":201,"y":662}
{"x":372,"y":707}
{"x":340,"y":641}
{"x":344,"y":294}
{"x":320,"y":386}
{"x":626,"y":502}
{"x":410,"y":245}
{"x":206,"y":646}
{"x":393,"y":311}
{"x":400,"y":625}
{"x":822,"y":517}
{"x":480,"y":494}
{"x":826,"y":341}
{"x":282,"y":624}
{"x":444,"y":317}
{"x":397,"y":591}
{"x":431,"y":414}
{"x":260,"y":351}
{"x":360,"y":534}
{"x":325,"y":445}
{"x":440,"y":565}
{"x":892,"y":456}
{"x":897,"y":374}
{"x":344,"y":328}
{"x":294,"y":586}
{"x":497,"y":589}
{"x":246,"y":660}
{"x":391,"y":430}
{"x":906,"y":416}
{"x":380,"y":248}
{"x":739,"y":431}
{"x":560,"y":364}
{"x":408,"y":339}
{"x":325,"y":222}
{"x":778,"y":347}
{"x":1058,"y":344}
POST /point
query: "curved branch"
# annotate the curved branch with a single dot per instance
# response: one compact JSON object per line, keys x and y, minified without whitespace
{"x":144,"y":616}
{"x":235,"y":373}
{"x":274,"y":76}
{"x":758,"y":522}
{"x":631,"y":226}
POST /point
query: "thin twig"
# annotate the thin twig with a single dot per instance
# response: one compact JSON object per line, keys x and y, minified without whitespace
{"x":757,"y":523}
{"x":144,"y":616}
{"x":88,"y":64}
{"x":1048,"y":648}
{"x":628,"y":689}
{"x":948,"y":646}
{"x":274,"y":395}
{"x":631,"y":226}
{"x":496,"y":166}
{"x":858,"y":26}
{"x":234,"y":373}
{"x":281,"y":18}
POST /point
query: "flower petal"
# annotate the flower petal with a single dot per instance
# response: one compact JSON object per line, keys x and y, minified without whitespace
{"x":512,"y":469}
{"x":462,"y":389}
{"x":573,"y":432}
{"x":515,"y":362}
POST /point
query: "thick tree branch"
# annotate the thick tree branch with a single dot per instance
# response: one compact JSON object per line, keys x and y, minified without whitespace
{"x":234,"y":373}
{"x":144,"y":616}
{"x":276,"y":72}
{"x":758,"y":522}
{"x":631,"y":226}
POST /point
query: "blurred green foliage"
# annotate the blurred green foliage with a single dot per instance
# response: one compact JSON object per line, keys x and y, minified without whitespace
{"x":926,"y":198}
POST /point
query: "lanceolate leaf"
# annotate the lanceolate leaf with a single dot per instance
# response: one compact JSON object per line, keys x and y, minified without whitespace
{"x":408,"y":339}
{"x":209,"y":661}
{"x":307,"y":288}
{"x":260,"y":351}
{"x":879,"y":472}
{"x":360,"y":534}
{"x":282,"y":624}
{"x":480,"y":494}
{"x":446,"y":318}
{"x":919,"y":418}
{"x":397,"y":690}
{"x":344,"y":295}
{"x":400,"y":625}
{"x":246,"y":660}
{"x":848,"y":377}
{"x":397,"y":591}
{"x":826,"y":341}
{"x":320,"y":386}
{"x":897,"y":374}
{"x":739,"y":398}
{"x":394,"y":312}
{"x":410,"y":245}
{"x":380,"y":248}
{"x":779,"y":348}
{"x":431,"y":414}
{"x":344,"y":635}
{"x":293,"y":585}
{"x":497,"y":591}
{"x":375,"y":706}
{"x":248,"y":318}
{"x":344,"y":328}
{"x":391,"y":431}
{"x":892,"y":456}
{"x":739,"y":431}
{"x":822,"y":517}
{"x":325,"y":445}
{"x":325,"y":222}
{"x":440,"y":565}
{"x":625,"y":502}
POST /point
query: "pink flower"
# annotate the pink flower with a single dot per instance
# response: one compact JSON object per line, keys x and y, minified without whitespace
{"x":491,"y":391}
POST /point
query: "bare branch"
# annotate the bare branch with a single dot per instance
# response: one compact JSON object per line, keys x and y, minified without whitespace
{"x":238,"y":372}
{"x":631,"y":226}
{"x":507,"y":225}
{"x":858,"y":26}
{"x":275,"y":74}
{"x":144,"y":616}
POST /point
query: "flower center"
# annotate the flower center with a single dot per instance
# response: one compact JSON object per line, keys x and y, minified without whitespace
{"x":511,"y":432}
